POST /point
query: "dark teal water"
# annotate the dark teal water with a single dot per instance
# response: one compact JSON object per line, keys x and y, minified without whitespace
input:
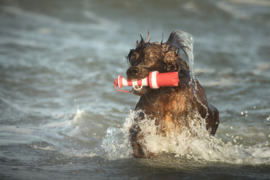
{"x":61,"y":118}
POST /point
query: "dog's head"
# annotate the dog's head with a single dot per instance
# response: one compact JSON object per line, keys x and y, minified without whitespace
{"x":162,"y":57}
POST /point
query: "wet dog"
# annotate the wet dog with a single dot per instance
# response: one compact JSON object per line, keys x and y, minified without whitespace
{"x":171,"y":107}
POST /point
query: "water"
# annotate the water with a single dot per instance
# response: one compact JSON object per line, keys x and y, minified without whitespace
{"x":61,"y":118}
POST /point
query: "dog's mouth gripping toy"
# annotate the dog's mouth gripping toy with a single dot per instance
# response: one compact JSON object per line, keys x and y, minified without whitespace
{"x":154,"y":80}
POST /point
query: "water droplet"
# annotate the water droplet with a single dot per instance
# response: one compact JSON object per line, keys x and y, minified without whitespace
{"x":242,"y":112}
{"x":231,"y":127}
{"x":254,"y":107}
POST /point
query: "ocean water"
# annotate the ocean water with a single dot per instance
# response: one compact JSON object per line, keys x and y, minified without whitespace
{"x":61,"y":118}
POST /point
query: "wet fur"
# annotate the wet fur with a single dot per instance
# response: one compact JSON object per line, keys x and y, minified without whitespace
{"x":169,"y":106}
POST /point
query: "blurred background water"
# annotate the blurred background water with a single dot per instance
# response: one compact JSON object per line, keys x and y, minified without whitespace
{"x":61,"y":118}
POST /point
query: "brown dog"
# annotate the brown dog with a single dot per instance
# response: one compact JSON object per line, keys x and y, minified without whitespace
{"x":169,"y":106}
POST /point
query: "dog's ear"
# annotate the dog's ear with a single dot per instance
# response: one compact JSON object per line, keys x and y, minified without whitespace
{"x":171,"y":60}
{"x":181,"y":40}
{"x":177,"y":40}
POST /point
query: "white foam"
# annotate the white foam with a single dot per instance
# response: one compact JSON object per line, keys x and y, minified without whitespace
{"x":233,"y":10}
{"x":78,"y":116}
{"x":204,"y":147}
{"x":204,"y":70}
{"x":47,"y":148}
{"x":220,"y":82}
{"x":116,"y":143}
{"x":14,"y":129}
{"x":252,"y":2}
{"x":190,"y":6}
{"x":260,"y":152}
{"x":262,"y":69}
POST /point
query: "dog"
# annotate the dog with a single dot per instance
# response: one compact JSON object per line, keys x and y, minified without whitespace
{"x":168,"y":106}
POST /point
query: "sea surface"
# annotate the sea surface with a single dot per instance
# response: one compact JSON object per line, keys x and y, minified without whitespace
{"x":61,"y":118}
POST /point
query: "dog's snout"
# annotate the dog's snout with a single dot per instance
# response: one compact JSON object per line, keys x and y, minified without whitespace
{"x":132,"y":71}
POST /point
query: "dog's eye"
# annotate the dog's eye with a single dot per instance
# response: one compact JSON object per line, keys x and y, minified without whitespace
{"x":152,"y":58}
{"x":132,"y":58}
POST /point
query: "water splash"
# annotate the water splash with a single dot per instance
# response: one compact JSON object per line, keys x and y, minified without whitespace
{"x":187,"y":41}
{"x":116,"y":143}
{"x":199,"y":147}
